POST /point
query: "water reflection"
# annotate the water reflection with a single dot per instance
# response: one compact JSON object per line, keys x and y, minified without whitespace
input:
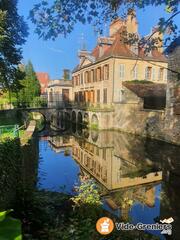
{"x":132,"y":172}
{"x":114,"y":160}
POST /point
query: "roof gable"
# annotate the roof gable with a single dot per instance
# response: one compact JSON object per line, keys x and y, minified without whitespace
{"x":87,"y":60}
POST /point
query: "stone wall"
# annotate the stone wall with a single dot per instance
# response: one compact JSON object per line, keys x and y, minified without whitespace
{"x":129,"y":116}
{"x":172,"y":116}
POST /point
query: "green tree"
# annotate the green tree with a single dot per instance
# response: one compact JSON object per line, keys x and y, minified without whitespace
{"x":13,"y":31}
{"x":30,"y":85}
{"x":58,"y":17}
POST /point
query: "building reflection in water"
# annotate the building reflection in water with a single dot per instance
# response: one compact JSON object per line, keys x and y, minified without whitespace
{"x":117,"y":162}
{"x":135,"y":175}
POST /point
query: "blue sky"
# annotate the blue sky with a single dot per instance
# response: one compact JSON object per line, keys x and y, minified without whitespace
{"x":54,"y":56}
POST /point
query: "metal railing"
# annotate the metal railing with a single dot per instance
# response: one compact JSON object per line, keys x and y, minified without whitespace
{"x":17,"y":105}
{"x":11,"y":130}
{"x":57,"y":104}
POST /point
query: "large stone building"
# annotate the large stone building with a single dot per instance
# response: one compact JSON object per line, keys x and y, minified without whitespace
{"x":60,"y":91}
{"x":100,"y":88}
{"x":99,"y":75}
{"x":122,"y":172}
{"x":172,"y":123}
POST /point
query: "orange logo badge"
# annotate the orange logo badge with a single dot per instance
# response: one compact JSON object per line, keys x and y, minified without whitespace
{"x":104,"y":225}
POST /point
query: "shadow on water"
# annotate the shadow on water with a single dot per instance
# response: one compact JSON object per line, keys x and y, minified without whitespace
{"x":138,"y":178}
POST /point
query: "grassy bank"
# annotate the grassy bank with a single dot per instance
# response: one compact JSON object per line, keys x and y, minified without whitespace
{"x":10,"y":135}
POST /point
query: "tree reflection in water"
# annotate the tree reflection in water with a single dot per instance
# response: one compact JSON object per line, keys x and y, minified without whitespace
{"x":138,"y":180}
{"x":130,"y":172}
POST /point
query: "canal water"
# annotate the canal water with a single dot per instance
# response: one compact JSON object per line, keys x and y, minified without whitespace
{"x":139,"y":179}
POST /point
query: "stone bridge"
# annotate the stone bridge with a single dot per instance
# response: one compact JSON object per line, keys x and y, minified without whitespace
{"x":56,"y":115}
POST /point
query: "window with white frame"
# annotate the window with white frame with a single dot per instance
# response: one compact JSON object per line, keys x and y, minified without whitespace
{"x":160,"y":74}
{"x":135,"y":72}
{"x":148,"y":71}
{"x":81,"y":78}
{"x":106,"y":72}
{"x":153,"y":74}
{"x":122,"y":71}
{"x":165,"y":74}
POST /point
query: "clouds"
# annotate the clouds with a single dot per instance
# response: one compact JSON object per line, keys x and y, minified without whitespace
{"x":56,"y":50}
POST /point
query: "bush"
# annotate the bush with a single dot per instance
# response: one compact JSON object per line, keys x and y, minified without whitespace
{"x":10,"y":165}
{"x":140,"y":81}
{"x":10,"y":228}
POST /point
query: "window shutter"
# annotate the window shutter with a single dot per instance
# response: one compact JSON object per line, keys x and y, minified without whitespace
{"x":122,"y":71}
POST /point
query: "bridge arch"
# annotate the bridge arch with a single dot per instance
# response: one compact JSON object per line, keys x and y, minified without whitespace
{"x":86,"y":118}
{"x":94,"y":135}
{"x":86,"y":133}
{"x":67,"y":116}
{"x":59,"y":119}
{"x":54,"y":119}
{"x":80,"y":118}
{"x":73,"y":116}
{"x":40,"y":119}
{"x":94,"y":121}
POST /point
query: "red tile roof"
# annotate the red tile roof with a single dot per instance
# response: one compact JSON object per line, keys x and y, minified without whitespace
{"x":43,"y":78}
{"x":120,"y":49}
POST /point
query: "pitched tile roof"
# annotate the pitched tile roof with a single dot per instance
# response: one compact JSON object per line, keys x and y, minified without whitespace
{"x":118,"y":48}
{"x":121,"y":49}
{"x":43,"y":78}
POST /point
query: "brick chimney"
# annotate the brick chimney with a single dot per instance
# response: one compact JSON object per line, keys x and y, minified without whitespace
{"x":131,"y":22}
{"x":115,"y":26}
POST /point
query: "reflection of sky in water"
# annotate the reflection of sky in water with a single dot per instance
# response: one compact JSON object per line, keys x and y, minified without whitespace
{"x":56,"y":170}
{"x":140,"y":213}
{"x":144,"y":214}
